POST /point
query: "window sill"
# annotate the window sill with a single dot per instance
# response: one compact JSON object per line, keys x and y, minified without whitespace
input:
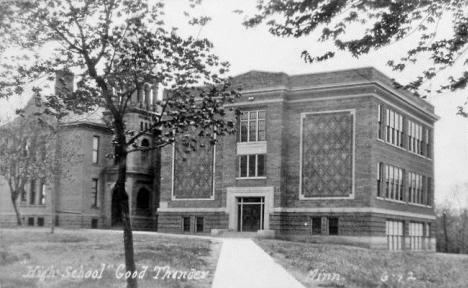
{"x":419,"y":205}
{"x":251,"y":178}
{"x":391,"y":200}
{"x":422,"y":156}
{"x":393,"y":145}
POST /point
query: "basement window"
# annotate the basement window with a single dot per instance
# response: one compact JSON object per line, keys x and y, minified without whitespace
{"x":316,"y":226}
{"x":186,"y":224}
{"x":200,"y":224}
{"x":333,"y":226}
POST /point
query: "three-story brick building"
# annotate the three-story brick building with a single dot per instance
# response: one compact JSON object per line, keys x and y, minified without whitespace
{"x":337,"y":156}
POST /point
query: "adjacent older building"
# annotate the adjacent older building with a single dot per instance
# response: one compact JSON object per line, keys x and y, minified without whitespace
{"x":81,"y":194}
{"x":330,"y":157}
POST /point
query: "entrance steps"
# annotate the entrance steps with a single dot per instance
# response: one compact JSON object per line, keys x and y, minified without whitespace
{"x":224,"y":233}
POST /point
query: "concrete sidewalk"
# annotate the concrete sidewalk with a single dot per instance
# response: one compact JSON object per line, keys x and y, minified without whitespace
{"x":243,"y":264}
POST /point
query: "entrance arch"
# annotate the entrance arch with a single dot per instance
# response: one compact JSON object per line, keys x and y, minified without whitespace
{"x":143,"y":201}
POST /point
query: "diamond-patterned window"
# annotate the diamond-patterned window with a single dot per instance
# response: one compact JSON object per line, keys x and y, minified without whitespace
{"x":193,"y":171}
{"x":252,"y":126}
{"x":327,"y":155}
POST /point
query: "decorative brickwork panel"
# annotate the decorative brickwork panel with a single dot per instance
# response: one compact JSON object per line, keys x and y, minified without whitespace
{"x":193,"y":176}
{"x":327,"y":155}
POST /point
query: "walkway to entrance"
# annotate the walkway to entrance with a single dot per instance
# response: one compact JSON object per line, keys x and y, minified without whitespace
{"x":243,"y":264}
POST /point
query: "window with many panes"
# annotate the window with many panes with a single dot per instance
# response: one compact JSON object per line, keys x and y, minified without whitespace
{"x":390,"y":182}
{"x":394,"y":232}
{"x":380,"y":121}
{"x":94,"y":192}
{"x":415,"y":188}
{"x":415,"y":138}
{"x":416,"y":236}
{"x":252,"y":126}
{"x":428,"y":143}
{"x":252,"y":166}
{"x":95,"y":149}
{"x":394,"y":128}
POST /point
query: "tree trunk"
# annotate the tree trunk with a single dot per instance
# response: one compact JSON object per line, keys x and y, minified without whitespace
{"x":15,"y":206}
{"x":123,"y":198}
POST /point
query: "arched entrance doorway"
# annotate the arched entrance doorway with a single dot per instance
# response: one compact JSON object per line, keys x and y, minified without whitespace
{"x":116,"y":210}
{"x":143,"y":201}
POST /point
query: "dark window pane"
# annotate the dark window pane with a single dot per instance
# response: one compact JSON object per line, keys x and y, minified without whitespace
{"x":40,"y":221}
{"x":261,"y":165}
{"x":252,"y":165}
{"x":253,"y":115}
{"x":243,"y":166}
{"x":333,"y":226}
{"x":316,"y":226}
{"x":200,"y":224}
{"x":186,"y":224}
{"x":244,"y":131}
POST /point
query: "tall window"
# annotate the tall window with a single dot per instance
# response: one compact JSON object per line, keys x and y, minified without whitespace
{"x":394,"y":231}
{"x":252,"y":126}
{"x":23,"y":195}
{"x":379,"y":179}
{"x":42,"y":193}
{"x":145,"y":144}
{"x":415,"y":188}
{"x":94,"y":192}
{"x":380,"y":121}
{"x":415,"y":138}
{"x":32,"y":192}
{"x":390,"y":180}
{"x":95,"y":149}
{"x":429,"y":192}
{"x":416,"y":236}
{"x":428,"y":143}
{"x":252,"y":165}
{"x":394,"y":128}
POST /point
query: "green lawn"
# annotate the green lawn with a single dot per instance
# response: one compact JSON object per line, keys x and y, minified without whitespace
{"x":87,"y":258}
{"x":317,"y":265}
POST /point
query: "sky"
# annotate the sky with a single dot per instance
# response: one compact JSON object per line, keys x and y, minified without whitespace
{"x":256,"y":49}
